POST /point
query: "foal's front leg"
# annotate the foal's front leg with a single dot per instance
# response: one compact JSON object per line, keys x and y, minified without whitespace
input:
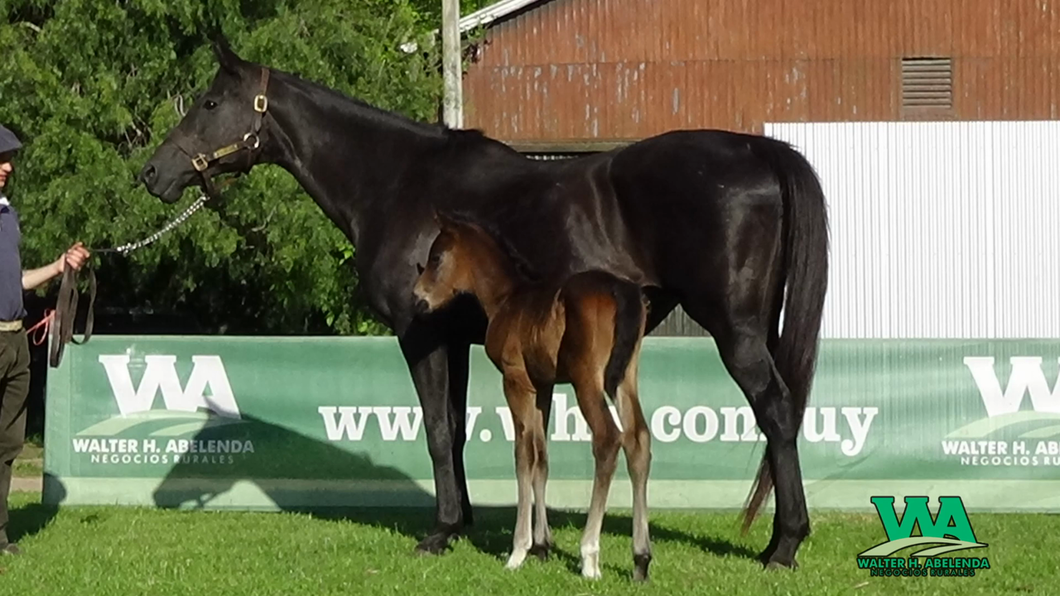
{"x":520,"y":395}
{"x":542,"y":533}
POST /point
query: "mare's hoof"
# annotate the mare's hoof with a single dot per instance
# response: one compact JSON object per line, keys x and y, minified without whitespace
{"x":775,"y":565}
{"x":437,"y":543}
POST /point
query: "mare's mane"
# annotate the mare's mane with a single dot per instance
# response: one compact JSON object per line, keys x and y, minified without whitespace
{"x":522,"y":267}
{"x":326,"y":96}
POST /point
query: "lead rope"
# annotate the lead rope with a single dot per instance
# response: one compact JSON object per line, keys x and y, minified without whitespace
{"x":127,"y":248}
{"x":60,"y":320}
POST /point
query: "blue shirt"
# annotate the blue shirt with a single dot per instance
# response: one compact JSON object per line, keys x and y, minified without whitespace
{"x":11,"y":307}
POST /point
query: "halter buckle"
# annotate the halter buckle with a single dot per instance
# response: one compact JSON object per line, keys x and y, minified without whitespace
{"x":257,"y":140}
{"x":199,"y":162}
{"x":261,"y":103}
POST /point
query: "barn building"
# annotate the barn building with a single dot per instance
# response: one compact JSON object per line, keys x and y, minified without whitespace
{"x":940,"y":84}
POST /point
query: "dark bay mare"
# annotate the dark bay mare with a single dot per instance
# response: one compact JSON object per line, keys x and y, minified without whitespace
{"x":718,"y":222}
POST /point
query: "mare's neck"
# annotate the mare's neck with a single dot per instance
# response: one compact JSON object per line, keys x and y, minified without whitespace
{"x":348,"y":156}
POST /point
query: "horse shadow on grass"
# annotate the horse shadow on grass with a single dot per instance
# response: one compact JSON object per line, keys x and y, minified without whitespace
{"x":297,"y":474}
{"x":492,"y":534}
{"x":28,"y":520}
{"x":286,"y":471}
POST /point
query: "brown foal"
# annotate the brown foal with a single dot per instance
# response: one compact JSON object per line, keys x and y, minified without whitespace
{"x":586,"y":331}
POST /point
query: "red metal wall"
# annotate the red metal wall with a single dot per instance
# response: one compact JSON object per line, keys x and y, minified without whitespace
{"x":572,"y":70}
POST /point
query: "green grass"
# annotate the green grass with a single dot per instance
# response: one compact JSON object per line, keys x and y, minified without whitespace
{"x":107,"y":550}
{"x":30,"y":462}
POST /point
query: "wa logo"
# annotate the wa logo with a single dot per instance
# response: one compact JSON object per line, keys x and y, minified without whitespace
{"x":946,"y":532}
{"x":204,"y":399}
{"x":1004,"y":403}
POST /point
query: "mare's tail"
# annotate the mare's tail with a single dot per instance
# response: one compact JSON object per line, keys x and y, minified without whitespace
{"x":806,"y":274}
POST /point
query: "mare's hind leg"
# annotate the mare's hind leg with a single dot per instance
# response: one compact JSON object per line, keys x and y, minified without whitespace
{"x":542,"y":533}
{"x":606,"y":443}
{"x":742,"y":345}
{"x":520,"y":395}
{"x":636,"y":442}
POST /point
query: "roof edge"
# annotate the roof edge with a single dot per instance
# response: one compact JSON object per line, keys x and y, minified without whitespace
{"x":482,"y":16}
{"x":497,"y":10}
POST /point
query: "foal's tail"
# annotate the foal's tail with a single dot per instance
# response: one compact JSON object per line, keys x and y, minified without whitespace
{"x":806,"y":274}
{"x":630,"y":314}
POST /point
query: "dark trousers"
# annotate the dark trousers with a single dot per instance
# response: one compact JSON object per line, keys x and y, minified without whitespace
{"x":14,"y":387}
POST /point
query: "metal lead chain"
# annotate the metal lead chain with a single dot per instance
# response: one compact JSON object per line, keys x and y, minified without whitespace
{"x":125,"y":249}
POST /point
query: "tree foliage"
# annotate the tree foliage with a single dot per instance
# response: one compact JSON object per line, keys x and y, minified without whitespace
{"x":93,"y":86}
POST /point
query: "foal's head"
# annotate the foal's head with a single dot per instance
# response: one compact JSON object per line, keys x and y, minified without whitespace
{"x":464,"y":259}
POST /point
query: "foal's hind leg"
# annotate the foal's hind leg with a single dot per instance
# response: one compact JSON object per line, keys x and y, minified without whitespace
{"x":542,"y":533}
{"x":606,"y":443}
{"x":520,"y":395}
{"x":636,"y":442}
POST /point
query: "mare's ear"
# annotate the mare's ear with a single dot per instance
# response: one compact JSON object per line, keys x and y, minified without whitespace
{"x":225,"y":56}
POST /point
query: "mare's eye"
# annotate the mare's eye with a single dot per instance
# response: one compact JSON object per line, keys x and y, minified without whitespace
{"x":210,"y":104}
{"x":435,"y":259}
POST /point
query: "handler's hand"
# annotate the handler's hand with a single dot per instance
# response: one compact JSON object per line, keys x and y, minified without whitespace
{"x":75,"y":257}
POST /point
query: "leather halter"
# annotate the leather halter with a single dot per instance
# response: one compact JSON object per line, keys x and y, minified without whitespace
{"x":250,"y":141}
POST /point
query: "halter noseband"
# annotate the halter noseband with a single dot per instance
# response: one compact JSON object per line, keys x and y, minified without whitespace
{"x":251,"y":141}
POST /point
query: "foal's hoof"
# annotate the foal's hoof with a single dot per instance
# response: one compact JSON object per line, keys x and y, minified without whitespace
{"x":640,"y":567}
{"x":542,"y":551}
{"x":438,"y":542}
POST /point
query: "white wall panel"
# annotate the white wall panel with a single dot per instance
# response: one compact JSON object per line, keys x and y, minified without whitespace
{"x":939,"y":230}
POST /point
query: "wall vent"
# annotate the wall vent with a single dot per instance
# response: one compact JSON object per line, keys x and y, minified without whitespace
{"x":927,"y":86}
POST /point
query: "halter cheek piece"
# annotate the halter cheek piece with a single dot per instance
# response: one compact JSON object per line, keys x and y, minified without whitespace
{"x":250,"y":142}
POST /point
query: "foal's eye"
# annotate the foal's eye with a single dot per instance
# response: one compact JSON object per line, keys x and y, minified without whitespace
{"x":210,"y":104}
{"x":435,"y":259}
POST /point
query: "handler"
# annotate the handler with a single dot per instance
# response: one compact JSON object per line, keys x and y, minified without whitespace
{"x":14,"y":347}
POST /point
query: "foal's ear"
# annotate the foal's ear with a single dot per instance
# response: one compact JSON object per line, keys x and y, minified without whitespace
{"x":444,"y":221}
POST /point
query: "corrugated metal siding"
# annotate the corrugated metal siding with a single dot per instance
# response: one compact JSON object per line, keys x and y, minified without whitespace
{"x":939,"y":230}
{"x":574,"y":69}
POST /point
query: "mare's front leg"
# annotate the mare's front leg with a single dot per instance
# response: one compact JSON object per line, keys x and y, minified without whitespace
{"x":426,"y":353}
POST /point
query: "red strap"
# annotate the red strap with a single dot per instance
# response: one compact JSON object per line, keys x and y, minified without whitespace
{"x":45,"y":324}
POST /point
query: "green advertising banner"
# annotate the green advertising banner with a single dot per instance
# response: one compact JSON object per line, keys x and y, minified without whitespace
{"x":267,"y":423}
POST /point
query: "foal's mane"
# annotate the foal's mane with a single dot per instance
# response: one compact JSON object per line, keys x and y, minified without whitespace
{"x":522,"y":267}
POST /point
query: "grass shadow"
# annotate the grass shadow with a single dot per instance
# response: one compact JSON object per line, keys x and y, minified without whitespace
{"x":295,"y":473}
{"x":492,"y":532}
{"x":29,"y":520}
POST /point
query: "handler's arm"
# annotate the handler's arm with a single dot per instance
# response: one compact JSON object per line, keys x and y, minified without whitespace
{"x":74,"y":257}
{"x":32,"y":278}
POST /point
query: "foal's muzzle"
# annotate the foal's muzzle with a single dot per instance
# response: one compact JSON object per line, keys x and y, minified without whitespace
{"x":420,"y":306}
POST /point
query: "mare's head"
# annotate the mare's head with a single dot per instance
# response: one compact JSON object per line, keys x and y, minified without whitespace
{"x":219,"y":134}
